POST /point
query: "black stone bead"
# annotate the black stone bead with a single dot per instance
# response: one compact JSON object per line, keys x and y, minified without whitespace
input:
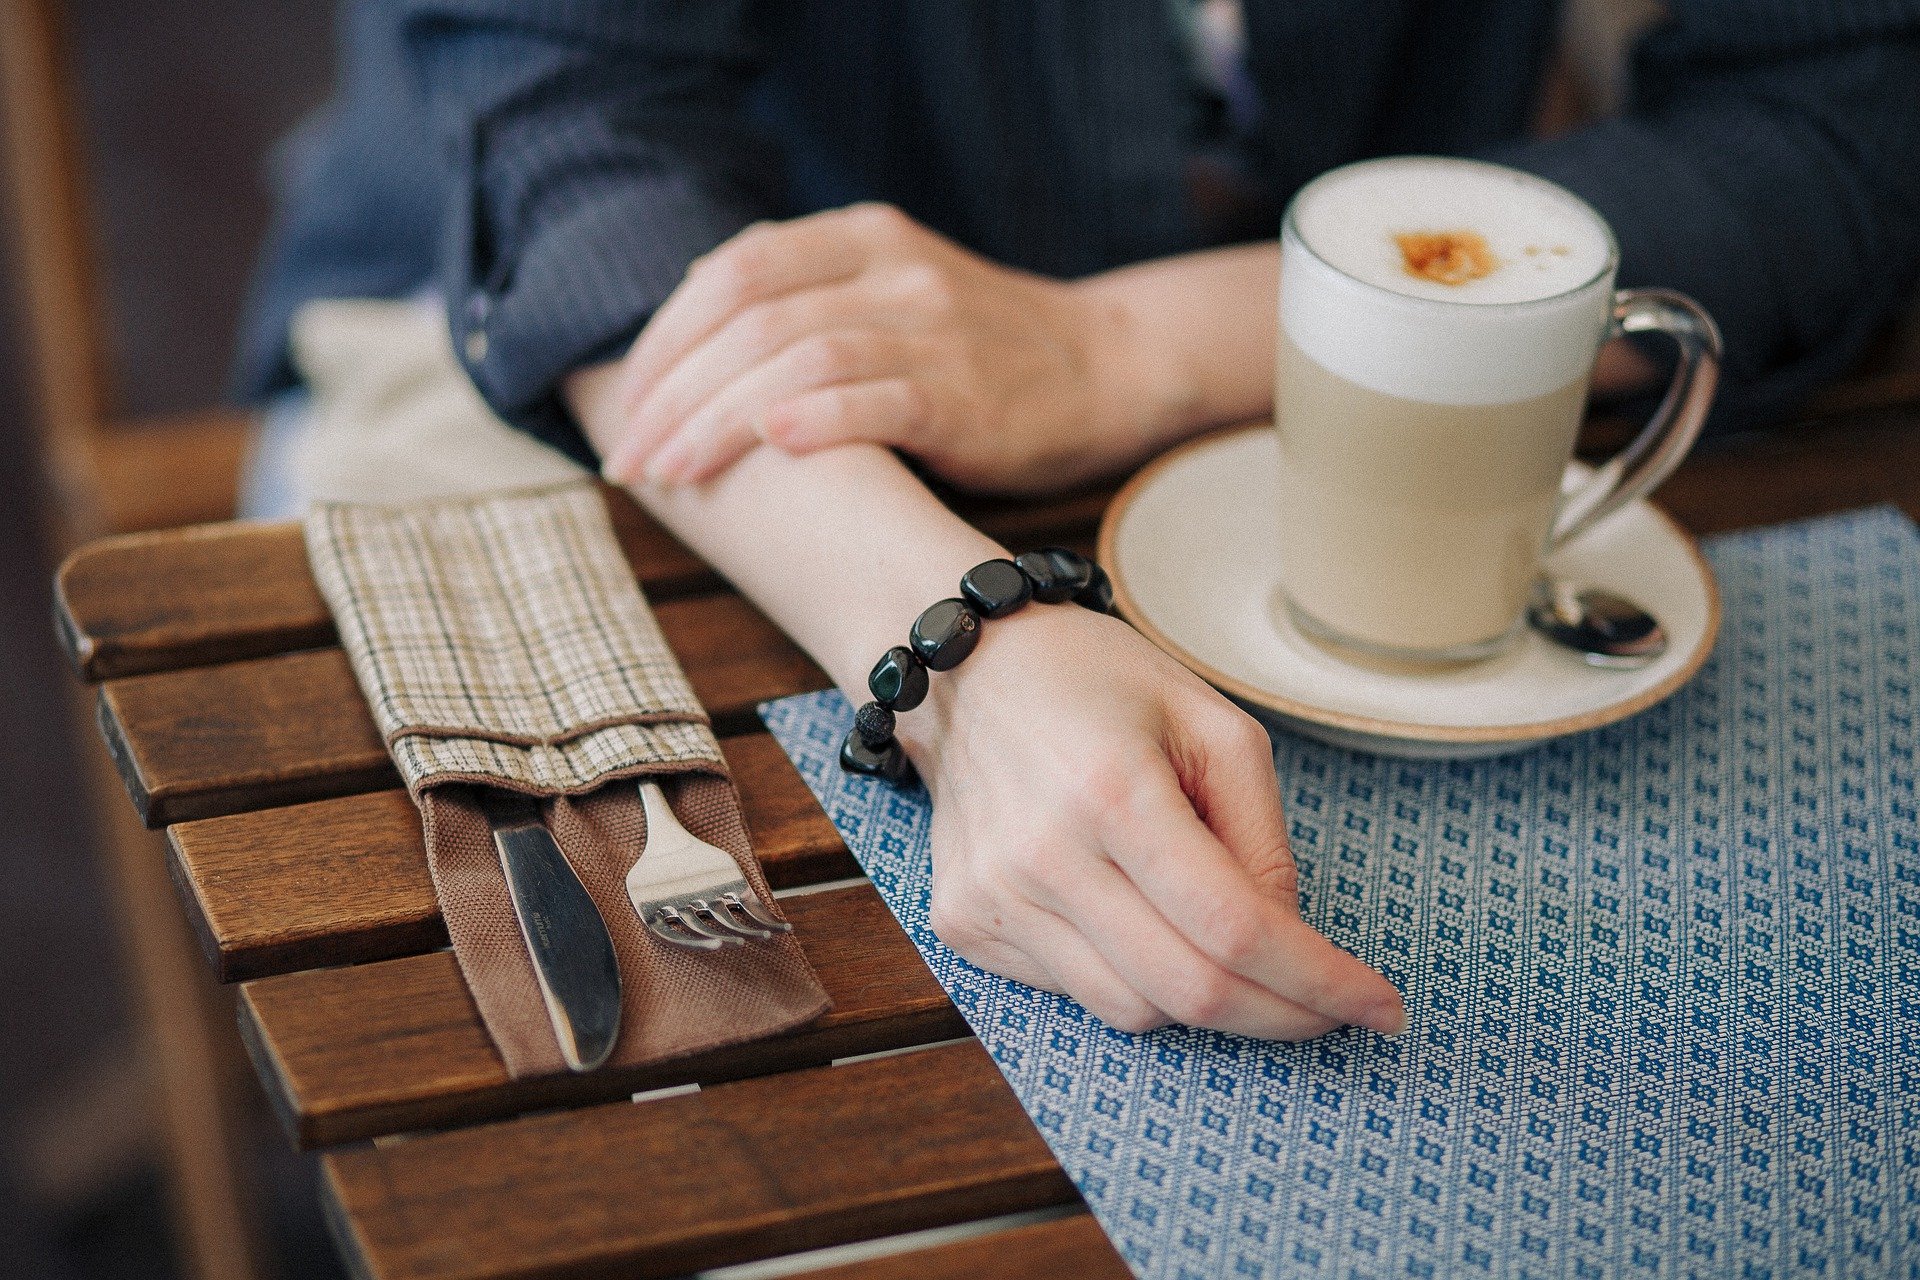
{"x":1071,"y":565}
{"x":945,"y":634}
{"x":888,"y":761}
{"x":874,"y":724}
{"x":996,"y":588}
{"x":1047,"y":587}
{"x":898,"y":682}
{"x":1097,"y":595}
{"x":1056,"y":573}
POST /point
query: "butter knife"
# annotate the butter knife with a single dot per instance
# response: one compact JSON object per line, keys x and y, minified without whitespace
{"x":565,"y":933}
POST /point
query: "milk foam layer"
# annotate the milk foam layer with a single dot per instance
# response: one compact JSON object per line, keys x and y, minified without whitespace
{"x":1350,"y":219}
{"x":1529,"y":328}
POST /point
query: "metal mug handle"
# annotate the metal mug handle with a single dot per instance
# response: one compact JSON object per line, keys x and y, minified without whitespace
{"x":1658,"y":449}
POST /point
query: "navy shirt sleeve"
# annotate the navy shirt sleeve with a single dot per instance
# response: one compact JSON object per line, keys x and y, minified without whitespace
{"x":597,"y":148}
{"x":1769,"y":166}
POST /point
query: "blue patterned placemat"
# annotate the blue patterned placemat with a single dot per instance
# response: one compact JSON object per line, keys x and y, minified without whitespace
{"x":1664,"y":980}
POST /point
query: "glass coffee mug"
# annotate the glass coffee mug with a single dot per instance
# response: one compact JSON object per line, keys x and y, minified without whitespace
{"x":1439,"y":322}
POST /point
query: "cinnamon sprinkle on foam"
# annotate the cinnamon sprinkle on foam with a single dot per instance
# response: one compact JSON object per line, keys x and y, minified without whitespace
{"x":1446,"y":257}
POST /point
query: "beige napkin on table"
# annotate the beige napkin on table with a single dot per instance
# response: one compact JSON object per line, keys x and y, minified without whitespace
{"x":502,"y":641}
{"x":393,"y":417}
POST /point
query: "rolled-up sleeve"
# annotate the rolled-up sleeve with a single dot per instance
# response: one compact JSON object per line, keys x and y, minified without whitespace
{"x":1769,"y":165}
{"x":597,"y":148}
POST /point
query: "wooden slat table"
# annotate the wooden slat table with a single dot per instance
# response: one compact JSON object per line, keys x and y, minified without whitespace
{"x":237,"y":726}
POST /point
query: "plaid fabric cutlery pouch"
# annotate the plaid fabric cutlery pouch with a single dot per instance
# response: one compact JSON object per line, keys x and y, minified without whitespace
{"x":502,"y":641}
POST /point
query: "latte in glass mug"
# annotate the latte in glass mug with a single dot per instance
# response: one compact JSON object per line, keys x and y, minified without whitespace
{"x":1439,"y":320}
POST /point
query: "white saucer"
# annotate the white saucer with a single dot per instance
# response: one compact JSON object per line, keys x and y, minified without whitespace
{"x":1194,"y":566}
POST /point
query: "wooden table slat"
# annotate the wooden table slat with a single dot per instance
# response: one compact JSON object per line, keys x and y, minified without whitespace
{"x":735,"y":1172}
{"x":220,"y":593}
{"x":206,"y":741}
{"x":343,"y":881}
{"x":397,"y":1045}
{"x":125,"y":605}
{"x":1068,"y":1248}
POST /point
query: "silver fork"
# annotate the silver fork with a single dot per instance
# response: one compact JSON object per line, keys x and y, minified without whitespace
{"x":689,"y":892}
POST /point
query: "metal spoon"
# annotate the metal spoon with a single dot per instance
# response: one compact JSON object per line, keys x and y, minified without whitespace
{"x":1608,"y":630}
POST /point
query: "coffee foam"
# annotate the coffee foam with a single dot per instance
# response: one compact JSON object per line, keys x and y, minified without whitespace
{"x":1528,"y":327}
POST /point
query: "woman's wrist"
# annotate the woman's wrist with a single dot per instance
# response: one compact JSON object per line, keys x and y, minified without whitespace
{"x":842,"y":548}
{"x":937,"y":725}
{"x":946,"y":634}
{"x":1186,"y":343}
{"x":1144,"y":394}
{"x":884,"y":617}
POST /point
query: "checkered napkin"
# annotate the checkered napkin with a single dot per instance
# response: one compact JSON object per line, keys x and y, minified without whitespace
{"x":502,"y":641}
{"x":1664,"y":981}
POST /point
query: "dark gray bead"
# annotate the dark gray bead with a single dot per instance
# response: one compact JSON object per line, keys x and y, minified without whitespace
{"x":874,"y":724}
{"x":898,"y":682}
{"x":1056,"y":573}
{"x":1097,"y":595}
{"x":888,"y":761}
{"x":996,"y":588}
{"x":945,"y":634}
{"x":1071,"y":566}
{"x":1039,"y":571}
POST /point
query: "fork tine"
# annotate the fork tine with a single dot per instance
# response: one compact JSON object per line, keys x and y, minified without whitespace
{"x":691,"y":923}
{"x":749,"y":905}
{"x":667,"y":933}
{"x":716,"y":911}
{"x":690,"y":891}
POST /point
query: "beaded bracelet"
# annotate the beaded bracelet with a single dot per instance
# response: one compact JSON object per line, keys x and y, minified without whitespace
{"x":947,"y":631}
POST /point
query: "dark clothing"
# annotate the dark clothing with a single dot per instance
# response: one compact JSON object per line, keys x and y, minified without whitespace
{"x":553,"y":167}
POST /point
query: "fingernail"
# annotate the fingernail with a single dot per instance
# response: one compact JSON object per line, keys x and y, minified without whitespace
{"x":1389,"y":1018}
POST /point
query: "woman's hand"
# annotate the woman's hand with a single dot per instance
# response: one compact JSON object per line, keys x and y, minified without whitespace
{"x":861,"y":324}
{"x":1106,"y":825}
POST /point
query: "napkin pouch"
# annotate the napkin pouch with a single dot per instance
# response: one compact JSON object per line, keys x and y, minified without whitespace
{"x":502,"y":641}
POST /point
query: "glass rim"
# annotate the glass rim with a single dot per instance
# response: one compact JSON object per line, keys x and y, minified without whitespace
{"x":1289,"y":229}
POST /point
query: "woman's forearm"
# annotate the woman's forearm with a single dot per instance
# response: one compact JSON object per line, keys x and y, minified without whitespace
{"x":842,"y":548}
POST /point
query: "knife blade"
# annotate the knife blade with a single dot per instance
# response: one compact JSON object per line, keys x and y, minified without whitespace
{"x":565,"y":934}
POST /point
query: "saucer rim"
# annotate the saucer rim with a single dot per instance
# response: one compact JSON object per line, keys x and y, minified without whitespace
{"x":1612,"y":712}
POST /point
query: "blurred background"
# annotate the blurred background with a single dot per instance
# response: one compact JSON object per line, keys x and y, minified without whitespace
{"x":175,"y":109}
